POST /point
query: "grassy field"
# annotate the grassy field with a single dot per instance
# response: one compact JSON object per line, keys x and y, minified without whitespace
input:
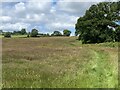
{"x":1,"y":36}
{"x":15,"y":36}
{"x":58,"y":62}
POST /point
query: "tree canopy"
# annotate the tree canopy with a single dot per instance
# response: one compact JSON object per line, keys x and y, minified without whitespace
{"x":23,"y":31}
{"x":56,"y":33}
{"x":66,"y":32}
{"x":98,"y":23}
{"x":34,"y":33}
{"x":7,"y":35}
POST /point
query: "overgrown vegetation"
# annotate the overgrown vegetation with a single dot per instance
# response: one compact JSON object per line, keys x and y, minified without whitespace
{"x":58,"y":62}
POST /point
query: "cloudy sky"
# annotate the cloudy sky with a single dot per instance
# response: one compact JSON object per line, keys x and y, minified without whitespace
{"x":45,"y":15}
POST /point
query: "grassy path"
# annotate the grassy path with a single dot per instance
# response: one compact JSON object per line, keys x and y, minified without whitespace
{"x":97,"y":73}
{"x":101,"y":71}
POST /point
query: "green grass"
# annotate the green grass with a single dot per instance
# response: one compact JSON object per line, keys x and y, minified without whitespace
{"x":1,"y":36}
{"x":58,"y":62}
{"x":19,"y":36}
{"x":15,"y":36}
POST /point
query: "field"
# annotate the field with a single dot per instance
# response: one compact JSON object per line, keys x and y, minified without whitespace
{"x":58,"y":62}
{"x":15,"y":36}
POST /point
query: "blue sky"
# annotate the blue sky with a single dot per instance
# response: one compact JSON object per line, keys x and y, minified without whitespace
{"x":46,"y":16}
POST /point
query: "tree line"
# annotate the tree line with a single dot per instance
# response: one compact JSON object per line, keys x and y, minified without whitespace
{"x":98,"y":24}
{"x":35,"y":33}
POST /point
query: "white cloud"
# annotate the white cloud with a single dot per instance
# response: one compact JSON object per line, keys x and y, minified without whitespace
{"x":33,"y":18}
{"x":12,"y":0}
{"x":38,"y":7}
{"x":5,"y":18}
{"x":20,"y":7}
{"x":61,"y":0}
{"x":75,"y":8}
{"x":53,"y":10}
{"x":16,"y":26}
{"x":59,"y":26}
{"x":62,"y":22}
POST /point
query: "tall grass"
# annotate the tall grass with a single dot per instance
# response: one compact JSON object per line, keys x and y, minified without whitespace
{"x":57,"y":62}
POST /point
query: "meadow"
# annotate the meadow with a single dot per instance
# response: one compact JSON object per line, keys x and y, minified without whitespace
{"x":58,"y":62}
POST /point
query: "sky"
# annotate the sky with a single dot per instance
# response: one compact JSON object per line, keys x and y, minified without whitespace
{"x":44,"y":15}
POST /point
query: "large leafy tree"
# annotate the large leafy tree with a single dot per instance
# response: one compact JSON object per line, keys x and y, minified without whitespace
{"x":97,"y":25}
{"x":34,"y":33}
{"x":23,"y":31}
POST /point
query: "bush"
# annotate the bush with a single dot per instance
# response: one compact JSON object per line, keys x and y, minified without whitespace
{"x":16,"y":33}
{"x":7,"y":34}
{"x":28,"y":34}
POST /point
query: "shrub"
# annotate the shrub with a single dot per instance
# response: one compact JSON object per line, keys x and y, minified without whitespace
{"x":7,"y":34}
